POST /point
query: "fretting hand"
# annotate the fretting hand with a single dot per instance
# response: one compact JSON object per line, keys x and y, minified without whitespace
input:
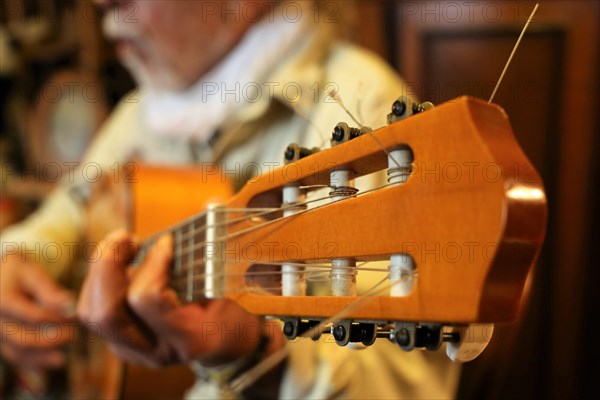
{"x":141,"y":318}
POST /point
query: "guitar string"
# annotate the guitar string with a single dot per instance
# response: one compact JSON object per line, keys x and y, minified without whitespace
{"x":198,"y":246}
{"x":183,"y":269}
{"x":264,"y":291}
{"x":190,"y":222}
{"x":197,"y":292}
{"x":320,"y":274}
{"x":269,"y":291}
{"x":305,"y":268}
{"x":201,"y":276}
{"x":335,"y":96}
{"x":193,"y":219}
{"x":257,"y":212}
{"x":514,"y":50}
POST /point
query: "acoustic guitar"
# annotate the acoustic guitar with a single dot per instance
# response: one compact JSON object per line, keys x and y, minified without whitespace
{"x":459,"y":226}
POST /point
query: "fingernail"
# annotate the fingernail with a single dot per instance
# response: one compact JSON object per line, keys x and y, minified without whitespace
{"x":68,"y":309}
{"x":165,"y":241}
{"x":115,"y":236}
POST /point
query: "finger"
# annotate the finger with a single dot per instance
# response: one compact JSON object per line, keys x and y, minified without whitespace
{"x":149,"y":294}
{"x":103,"y":297}
{"x":40,"y":285}
{"x":36,"y":337}
{"x":106,"y":283}
{"x":34,"y":360}
{"x":116,"y":251}
{"x":18,"y":307}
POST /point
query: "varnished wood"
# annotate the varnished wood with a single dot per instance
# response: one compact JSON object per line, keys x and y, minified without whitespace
{"x":506,"y":214}
{"x":163,"y":196}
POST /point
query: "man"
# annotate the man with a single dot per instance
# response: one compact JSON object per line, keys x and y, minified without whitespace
{"x":219,"y":82}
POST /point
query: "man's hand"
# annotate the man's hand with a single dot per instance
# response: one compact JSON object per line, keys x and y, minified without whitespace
{"x":36,"y":315}
{"x":143,"y":320}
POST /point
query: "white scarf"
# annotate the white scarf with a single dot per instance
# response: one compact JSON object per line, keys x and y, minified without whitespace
{"x":236,"y":82}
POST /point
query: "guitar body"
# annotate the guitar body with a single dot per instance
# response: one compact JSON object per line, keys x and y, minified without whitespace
{"x":146,"y":200}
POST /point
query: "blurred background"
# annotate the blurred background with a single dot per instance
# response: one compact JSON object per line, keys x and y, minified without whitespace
{"x":59,"y":79}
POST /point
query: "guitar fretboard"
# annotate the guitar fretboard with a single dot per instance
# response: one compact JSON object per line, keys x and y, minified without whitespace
{"x":189,"y":249}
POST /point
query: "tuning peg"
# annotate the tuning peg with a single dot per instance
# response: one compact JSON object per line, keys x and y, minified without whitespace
{"x":470,"y":343}
{"x":404,"y":107}
{"x":345,"y":332}
{"x":294,"y":152}
{"x":294,"y":327}
{"x":343,"y":133}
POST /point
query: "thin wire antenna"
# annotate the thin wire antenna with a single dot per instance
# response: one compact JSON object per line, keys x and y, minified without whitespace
{"x":513,"y":52}
{"x":335,"y":96}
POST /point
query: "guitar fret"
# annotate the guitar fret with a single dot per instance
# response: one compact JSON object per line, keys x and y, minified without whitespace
{"x":200,"y":256}
{"x":189,"y":275}
{"x":177,"y":261}
{"x":190,"y":259}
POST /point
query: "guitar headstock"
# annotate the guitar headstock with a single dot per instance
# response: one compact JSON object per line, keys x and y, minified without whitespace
{"x":460,"y":224}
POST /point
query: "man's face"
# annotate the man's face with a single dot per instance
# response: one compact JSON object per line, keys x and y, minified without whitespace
{"x":171,"y":44}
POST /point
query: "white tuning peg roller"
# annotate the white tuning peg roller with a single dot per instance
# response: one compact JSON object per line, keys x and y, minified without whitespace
{"x":472,"y":340}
